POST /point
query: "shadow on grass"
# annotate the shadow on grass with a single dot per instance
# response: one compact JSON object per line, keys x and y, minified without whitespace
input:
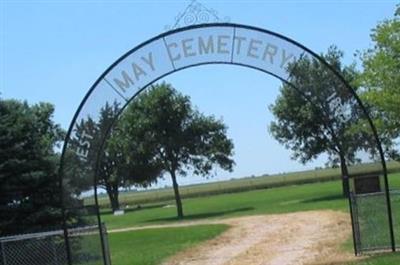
{"x":136,"y":208}
{"x":325,"y":198}
{"x":202,"y":215}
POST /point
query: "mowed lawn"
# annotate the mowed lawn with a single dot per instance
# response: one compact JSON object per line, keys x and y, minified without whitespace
{"x":152,"y":246}
{"x":326,"y":195}
{"x":278,"y":200}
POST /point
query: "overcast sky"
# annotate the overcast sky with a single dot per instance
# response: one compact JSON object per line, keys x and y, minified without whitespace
{"x":54,"y":50}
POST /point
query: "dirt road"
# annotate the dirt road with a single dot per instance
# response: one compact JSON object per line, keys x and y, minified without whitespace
{"x":303,"y":238}
{"x":288,"y":239}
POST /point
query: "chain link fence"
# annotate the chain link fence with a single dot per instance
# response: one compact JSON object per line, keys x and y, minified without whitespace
{"x":395,"y":198}
{"x":371,"y":222}
{"x":370,"y":215}
{"x":49,"y":248}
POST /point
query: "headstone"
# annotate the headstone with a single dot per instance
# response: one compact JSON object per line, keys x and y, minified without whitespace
{"x":119,"y":212}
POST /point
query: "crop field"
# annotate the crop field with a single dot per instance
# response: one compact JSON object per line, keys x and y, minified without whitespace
{"x":133,"y":199}
{"x":138,"y":247}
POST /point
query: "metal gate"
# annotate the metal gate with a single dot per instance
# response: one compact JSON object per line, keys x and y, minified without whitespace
{"x":371,"y":224}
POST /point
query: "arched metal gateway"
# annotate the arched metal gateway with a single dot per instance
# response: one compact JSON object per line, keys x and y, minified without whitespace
{"x":167,"y":53}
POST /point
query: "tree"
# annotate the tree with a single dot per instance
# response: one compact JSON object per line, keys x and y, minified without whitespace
{"x":169,"y":133}
{"x":120,"y":169}
{"x":29,"y":197}
{"x":114,"y":168}
{"x":110,"y":173}
{"x":314,"y":114}
{"x":381,"y":79}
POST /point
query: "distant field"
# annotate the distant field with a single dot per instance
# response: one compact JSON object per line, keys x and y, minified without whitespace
{"x":134,"y":198}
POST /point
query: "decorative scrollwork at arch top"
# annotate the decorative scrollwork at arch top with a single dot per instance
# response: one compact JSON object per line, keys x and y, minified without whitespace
{"x":195,"y":13}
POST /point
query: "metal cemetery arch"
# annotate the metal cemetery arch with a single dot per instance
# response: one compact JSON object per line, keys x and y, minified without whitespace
{"x":219,"y":43}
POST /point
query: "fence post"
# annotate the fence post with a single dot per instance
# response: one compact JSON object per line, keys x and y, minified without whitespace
{"x":354,"y":223}
{"x":106,"y":246}
{"x":54,"y":253}
{"x":100,"y":230}
{"x":66,"y":236}
{"x":3,"y":254}
{"x":389,"y":209}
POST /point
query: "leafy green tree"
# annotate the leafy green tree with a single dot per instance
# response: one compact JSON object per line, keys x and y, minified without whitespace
{"x":114,"y":169}
{"x":381,"y":80}
{"x":29,"y":186}
{"x":119,"y":169}
{"x":168,"y":133}
{"x":315,"y":113}
{"x":110,"y":173}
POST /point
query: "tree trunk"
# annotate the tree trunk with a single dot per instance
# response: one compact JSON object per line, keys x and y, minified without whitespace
{"x":113,"y":196}
{"x":177,"y":195}
{"x":345,"y":176}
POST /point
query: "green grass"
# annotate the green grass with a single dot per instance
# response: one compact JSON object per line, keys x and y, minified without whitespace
{"x":151,"y":246}
{"x":382,"y":259}
{"x":326,"y":195}
{"x":240,"y":185}
{"x":279,"y":200}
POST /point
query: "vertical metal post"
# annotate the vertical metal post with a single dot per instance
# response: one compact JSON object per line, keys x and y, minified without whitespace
{"x":389,"y":208}
{"x":62,"y":202}
{"x":3,"y":254}
{"x":100,"y":226}
{"x":353,"y":224}
{"x":55,"y":259}
{"x":66,"y":236}
{"x":106,"y":246}
{"x":96,"y":199}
